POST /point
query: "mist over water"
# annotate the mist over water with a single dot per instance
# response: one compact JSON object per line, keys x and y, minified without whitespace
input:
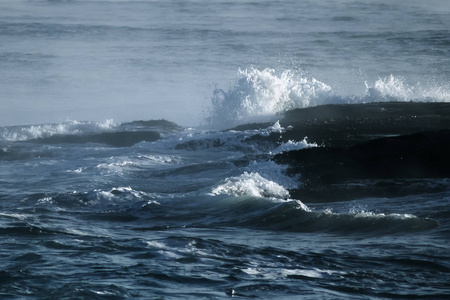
{"x":127,"y":60}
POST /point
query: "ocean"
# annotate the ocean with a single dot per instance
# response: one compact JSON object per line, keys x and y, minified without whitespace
{"x":224,"y":149}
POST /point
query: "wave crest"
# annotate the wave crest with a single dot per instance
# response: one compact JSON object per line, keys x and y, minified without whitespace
{"x":251,"y":184}
{"x":69,"y":127}
{"x":259,"y":96}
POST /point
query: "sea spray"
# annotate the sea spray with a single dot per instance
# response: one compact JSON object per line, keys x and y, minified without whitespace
{"x":260,"y":95}
{"x":69,"y":127}
{"x":250,"y":184}
{"x":263,"y":95}
{"x":394,"y":88}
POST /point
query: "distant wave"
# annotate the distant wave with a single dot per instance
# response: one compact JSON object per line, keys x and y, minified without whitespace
{"x":247,"y":210}
{"x":157,"y":125}
{"x":23,"y":133}
{"x":259,"y":95}
{"x":107,"y":132}
{"x":117,"y":139}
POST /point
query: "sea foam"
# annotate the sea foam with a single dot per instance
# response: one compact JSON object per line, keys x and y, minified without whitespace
{"x":262,"y":95}
{"x":259,"y":95}
{"x":250,"y":184}
{"x":395,"y":88}
{"x":69,"y":127}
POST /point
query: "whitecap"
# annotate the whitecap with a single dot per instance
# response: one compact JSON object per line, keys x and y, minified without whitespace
{"x":250,"y":184}
{"x":16,"y":216}
{"x":263,"y":95}
{"x":304,"y":273}
{"x":156,"y":244}
{"x":394,"y":88}
{"x":260,"y":95}
{"x":291,"y":145}
{"x":69,"y":127}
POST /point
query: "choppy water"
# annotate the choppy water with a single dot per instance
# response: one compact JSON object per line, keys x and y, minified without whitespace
{"x":200,"y":212}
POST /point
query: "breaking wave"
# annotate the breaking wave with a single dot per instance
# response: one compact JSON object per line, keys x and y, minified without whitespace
{"x":107,"y":132}
{"x":70,"y":127}
{"x":261,"y":95}
{"x":251,"y":184}
{"x":295,"y":216}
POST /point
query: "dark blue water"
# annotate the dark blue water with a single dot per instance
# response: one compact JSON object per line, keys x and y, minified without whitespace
{"x":97,"y":205}
{"x":203,"y":214}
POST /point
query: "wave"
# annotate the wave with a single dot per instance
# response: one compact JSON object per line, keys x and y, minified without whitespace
{"x":258,"y":95}
{"x":395,"y":89}
{"x":250,"y":210}
{"x":290,"y":216}
{"x":115,"y":200}
{"x":251,"y":184}
{"x":70,"y":127}
{"x":262,"y":95}
{"x":76,"y":132}
{"x":252,"y":200}
{"x":248,"y":201}
{"x":116,"y":139}
{"x":156,"y":125}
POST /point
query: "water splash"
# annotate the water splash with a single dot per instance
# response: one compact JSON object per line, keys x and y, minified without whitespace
{"x":262,"y":95}
{"x":259,"y":95}
{"x":251,"y":184}
{"x":22,"y":133}
{"x":396,"y":89}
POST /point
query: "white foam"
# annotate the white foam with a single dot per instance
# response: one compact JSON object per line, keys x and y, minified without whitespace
{"x":394,"y":88}
{"x":156,"y":159}
{"x":16,"y":216}
{"x":363,"y":213}
{"x":390,"y":88}
{"x":276,"y":127}
{"x":107,"y":124}
{"x":120,"y":165}
{"x":250,"y":184}
{"x":156,"y":244}
{"x":304,"y":273}
{"x":279,"y":273}
{"x":45,"y":200}
{"x":78,"y":232}
{"x":175,"y":252}
{"x":370,"y":214}
{"x":251,"y":271}
{"x":272,"y":171}
{"x":293,"y":145}
{"x":259,"y":95}
{"x":23,"y":133}
{"x":119,"y":195}
{"x":115,"y":167}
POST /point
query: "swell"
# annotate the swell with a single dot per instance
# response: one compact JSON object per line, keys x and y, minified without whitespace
{"x":292,"y":216}
{"x":80,"y":132}
{"x":116,"y":139}
{"x":279,"y":215}
{"x":349,"y":223}
{"x":143,"y":212}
